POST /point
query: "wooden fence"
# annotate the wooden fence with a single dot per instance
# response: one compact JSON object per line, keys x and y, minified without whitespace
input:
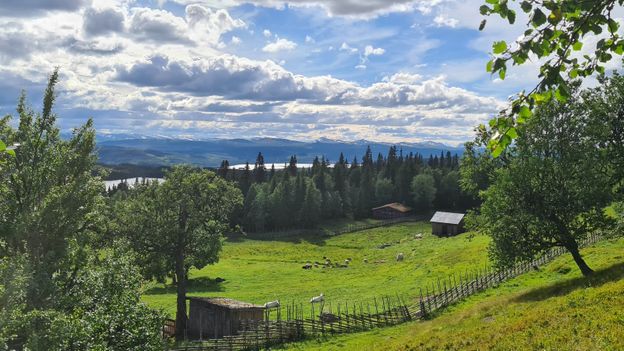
{"x":294,"y":323}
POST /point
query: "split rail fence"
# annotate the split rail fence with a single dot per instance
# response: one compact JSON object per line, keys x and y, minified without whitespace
{"x":294,"y":323}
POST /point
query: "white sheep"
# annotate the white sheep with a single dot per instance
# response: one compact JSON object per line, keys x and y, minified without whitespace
{"x":400,"y":257}
{"x":316,"y":299}
{"x":272,"y":304}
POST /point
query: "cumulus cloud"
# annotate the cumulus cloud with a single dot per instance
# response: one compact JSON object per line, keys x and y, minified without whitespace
{"x":231,"y":77}
{"x":28,"y":8}
{"x":279,"y":45}
{"x":267,"y":33}
{"x":236,"y":78}
{"x":102,"y":21}
{"x":157,"y":25}
{"x":369,"y":50}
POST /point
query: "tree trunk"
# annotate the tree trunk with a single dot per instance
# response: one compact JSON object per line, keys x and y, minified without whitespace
{"x":181,"y":317}
{"x":572,"y":247}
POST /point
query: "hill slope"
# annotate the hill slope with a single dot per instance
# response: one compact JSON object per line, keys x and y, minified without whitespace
{"x":210,"y":153}
{"x":551,"y":309}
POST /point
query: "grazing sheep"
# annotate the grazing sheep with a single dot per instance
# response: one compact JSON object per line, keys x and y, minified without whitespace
{"x":307,"y":266}
{"x":400,"y":257}
{"x":418,"y":236}
{"x":272,"y":304}
{"x":347,"y":261}
{"x":317,"y":299}
{"x":316,"y":265}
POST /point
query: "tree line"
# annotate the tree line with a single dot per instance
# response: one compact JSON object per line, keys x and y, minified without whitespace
{"x":302,"y":197}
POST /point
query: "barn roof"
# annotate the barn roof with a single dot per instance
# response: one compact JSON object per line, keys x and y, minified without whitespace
{"x":395,"y":206}
{"x":447,"y":217}
{"x":226,"y":303}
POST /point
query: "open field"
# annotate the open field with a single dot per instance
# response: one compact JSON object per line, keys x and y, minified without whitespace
{"x":259,"y":271}
{"x":554,"y":308}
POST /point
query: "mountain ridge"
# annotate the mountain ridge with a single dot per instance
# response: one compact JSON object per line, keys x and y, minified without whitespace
{"x":156,"y":151}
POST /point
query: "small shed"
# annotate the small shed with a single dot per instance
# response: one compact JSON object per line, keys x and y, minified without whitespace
{"x":447,"y":223}
{"x":216,"y":317}
{"x":391,"y":211}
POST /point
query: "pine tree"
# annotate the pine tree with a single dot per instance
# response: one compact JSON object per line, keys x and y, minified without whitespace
{"x":259,"y":169}
{"x":292,"y":166}
{"x":223,"y":169}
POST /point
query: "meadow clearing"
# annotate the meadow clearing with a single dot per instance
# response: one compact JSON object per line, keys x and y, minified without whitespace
{"x":258,"y":271}
{"x":553,"y":308}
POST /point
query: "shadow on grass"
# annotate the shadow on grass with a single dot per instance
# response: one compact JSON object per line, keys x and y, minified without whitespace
{"x":313,"y":236}
{"x":598,"y":278}
{"x":200,"y":285}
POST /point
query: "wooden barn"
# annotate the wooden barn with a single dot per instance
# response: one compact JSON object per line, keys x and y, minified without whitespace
{"x":216,"y":317}
{"x":391,"y":211}
{"x":447,"y":223}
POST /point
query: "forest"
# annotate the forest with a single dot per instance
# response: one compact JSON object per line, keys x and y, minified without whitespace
{"x":301,"y":197}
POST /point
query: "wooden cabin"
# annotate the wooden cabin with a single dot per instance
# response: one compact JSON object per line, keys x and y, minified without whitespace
{"x":447,"y":223}
{"x":391,"y":211}
{"x":216,"y":317}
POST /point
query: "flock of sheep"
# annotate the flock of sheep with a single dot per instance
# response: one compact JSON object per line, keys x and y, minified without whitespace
{"x":327,"y":263}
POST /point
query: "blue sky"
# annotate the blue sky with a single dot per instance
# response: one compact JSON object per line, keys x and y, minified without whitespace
{"x":395,"y":71}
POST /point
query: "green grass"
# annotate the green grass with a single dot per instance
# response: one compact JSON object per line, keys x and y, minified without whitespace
{"x":554,"y":308}
{"x":259,"y":271}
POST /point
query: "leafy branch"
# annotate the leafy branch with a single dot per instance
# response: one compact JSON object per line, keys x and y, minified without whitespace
{"x":555,"y":31}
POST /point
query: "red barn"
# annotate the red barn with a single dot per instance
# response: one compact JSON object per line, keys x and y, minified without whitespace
{"x":391,"y":211}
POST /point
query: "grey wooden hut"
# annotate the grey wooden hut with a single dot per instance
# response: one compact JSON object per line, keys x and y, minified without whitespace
{"x":216,"y":317}
{"x":447,"y":223}
{"x":391,"y":211}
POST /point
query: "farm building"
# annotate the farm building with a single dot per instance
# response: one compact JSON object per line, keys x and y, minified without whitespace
{"x":216,"y":317}
{"x":390,"y":211}
{"x":447,"y":223}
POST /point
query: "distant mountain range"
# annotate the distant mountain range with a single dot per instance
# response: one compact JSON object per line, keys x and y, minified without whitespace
{"x":157,"y":151}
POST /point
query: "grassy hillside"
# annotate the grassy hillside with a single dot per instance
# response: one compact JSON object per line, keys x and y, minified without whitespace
{"x":260,"y":271}
{"x":554,"y":308}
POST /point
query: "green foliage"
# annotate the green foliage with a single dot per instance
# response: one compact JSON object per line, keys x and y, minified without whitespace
{"x":552,"y":190}
{"x":383,"y":191}
{"x":311,"y":208}
{"x":554,"y":32}
{"x":56,"y":293}
{"x":178,"y":225}
{"x":424,"y":190}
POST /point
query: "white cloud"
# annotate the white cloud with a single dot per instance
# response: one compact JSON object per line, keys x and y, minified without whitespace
{"x":443,"y":21}
{"x":279,"y":45}
{"x":369,"y":50}
{"x":267,"y":33}
{"x":346,"y":47}
{"x":235,"y":40}
{"x":349,"y":8}
{"x":157,"y":25}
{"x":309,"y":39}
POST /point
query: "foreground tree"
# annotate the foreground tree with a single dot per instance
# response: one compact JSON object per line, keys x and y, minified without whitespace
{"x":58,"y":289}
{"x":556,"y":33}
{"x":552,"y":190}
{"x":178,"y":225}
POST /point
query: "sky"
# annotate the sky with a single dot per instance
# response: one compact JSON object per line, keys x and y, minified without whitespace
{"x":391,"y":71}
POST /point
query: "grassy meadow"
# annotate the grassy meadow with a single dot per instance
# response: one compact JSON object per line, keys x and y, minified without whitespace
{"x":264,"y":270}
{"x":555,"y":308}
